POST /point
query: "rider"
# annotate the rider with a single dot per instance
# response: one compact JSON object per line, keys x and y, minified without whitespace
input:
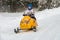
{"x":30,"y":11}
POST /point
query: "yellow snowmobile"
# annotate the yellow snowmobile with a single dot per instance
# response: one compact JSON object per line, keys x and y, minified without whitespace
{"x":27,"y":23}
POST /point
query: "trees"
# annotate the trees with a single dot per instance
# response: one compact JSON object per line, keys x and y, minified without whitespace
{"x":14,"y":5}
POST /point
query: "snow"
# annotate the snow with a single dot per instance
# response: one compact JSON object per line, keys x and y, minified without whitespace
{"x":48,"y":26}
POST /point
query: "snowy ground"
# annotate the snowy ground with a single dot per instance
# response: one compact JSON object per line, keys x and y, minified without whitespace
{"x":48,"y":26}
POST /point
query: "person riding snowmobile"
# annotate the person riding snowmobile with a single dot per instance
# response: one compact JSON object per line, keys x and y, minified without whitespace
{"x":29,"y":12}
{"x":28,"y":22}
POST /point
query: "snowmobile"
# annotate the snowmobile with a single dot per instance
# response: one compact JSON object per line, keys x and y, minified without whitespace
{"x":27,"y":23}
